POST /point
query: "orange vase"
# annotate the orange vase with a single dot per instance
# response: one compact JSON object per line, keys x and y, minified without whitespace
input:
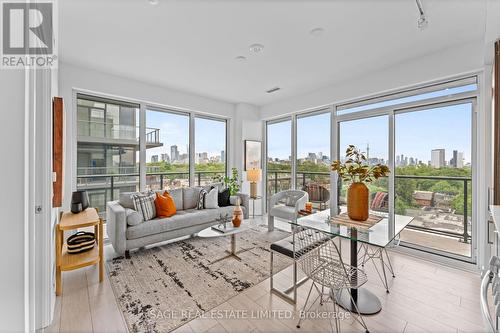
{"x":237,"y":215}
{"x":357,"y":202}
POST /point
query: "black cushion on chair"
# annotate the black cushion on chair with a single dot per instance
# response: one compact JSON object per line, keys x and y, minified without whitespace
{"x":285,"y":246}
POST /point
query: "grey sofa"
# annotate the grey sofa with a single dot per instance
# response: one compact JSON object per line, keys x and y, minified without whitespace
{"x":127,"y":231}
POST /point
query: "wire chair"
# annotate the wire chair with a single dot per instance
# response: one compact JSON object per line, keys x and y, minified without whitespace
{"x":372,"y":255}
{"x":319,"y":258}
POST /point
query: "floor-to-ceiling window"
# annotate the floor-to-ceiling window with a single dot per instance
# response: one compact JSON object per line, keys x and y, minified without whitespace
{"x":279,"y":156}
{"x":107,"y":145}
{"x":210,"y":150}
{"x":313,"y":157}
{"x":424,"y":135}
{"x":111,"y":141}
{"x":371,"y":136}
{"x":167,"y":163}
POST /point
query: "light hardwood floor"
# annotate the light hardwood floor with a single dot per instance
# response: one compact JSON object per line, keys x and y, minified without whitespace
{"x":424,"y":297}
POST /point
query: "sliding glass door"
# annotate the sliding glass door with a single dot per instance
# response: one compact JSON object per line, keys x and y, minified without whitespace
{"x":279,"y":156}
{"x":433,"y":181}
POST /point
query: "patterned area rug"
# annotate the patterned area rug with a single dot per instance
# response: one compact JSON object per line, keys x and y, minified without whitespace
{"x":161,"y":288}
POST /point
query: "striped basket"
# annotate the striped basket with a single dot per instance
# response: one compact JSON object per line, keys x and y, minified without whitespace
{"x":81,"y":242}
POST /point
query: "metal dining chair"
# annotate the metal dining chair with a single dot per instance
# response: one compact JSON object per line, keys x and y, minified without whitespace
{"x":370,"y":254}
{"x":324,"y":266}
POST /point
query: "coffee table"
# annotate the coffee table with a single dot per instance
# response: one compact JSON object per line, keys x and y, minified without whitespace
{"x":230,"y":232}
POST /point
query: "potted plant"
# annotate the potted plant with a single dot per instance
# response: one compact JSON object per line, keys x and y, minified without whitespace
{"x":357,"y":172}
{"x":232,"y":183}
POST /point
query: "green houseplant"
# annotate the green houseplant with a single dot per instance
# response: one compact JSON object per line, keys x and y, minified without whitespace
{"x":358,"y":172}
{"x":232,"y":183}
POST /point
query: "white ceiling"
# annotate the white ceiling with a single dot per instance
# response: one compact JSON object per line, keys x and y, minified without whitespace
{"x":190,"y":45}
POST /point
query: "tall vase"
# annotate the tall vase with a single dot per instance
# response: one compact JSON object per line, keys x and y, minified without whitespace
{"x":357,"y":202}
{"x":237,"y":214}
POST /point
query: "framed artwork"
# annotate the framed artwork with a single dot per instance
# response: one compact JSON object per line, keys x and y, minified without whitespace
{"x":253,"y":154}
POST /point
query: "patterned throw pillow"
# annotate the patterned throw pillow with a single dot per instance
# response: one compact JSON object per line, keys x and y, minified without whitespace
{"x":145,"y":205}
{"x":201,"y":199}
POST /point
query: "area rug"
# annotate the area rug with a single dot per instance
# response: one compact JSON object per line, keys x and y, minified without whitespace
{"x":162,"y":288}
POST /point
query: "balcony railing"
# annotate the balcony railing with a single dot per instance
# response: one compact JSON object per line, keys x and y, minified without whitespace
{"x":105,"y":130}
{"x":447,"y":212}
{"x":107,"y":187}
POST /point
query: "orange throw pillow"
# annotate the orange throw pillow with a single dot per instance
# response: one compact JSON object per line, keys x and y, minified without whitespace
{"x":165,"y":205}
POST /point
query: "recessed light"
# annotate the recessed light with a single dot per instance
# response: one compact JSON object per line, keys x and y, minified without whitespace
{"x":316,"y":32}
{"x":240,"y":58}
{"x":154,"y":2}
{"x":256,"y":48}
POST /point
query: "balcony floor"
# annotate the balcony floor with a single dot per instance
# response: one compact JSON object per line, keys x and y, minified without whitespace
{"x":436,"y":241}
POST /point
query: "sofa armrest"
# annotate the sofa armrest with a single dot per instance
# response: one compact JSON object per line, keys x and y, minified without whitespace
{"x":245,"y":202}
{"x":116,"y":221}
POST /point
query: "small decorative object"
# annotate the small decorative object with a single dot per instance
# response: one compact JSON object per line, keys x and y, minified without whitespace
{"x":237,"y":214}
{"x":79,"y":201}
{"x":253,"y":176}
{"x":253,"y":155}
{"x":357,"y":171}
{"x":223,"y":221}
{"x":309,"y":207}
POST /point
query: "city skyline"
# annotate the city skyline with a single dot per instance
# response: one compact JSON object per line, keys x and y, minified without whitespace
{"x":416,"y":134}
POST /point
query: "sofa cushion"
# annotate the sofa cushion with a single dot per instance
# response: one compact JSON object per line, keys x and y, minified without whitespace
{"x":165,"y":206}
{"x":126,"y":199}
{"x":223,"y":198}
{"x":145,"y":204}
{"x":190,"y":197}
{"x":284,"y":212}
{"x":211,"y":199}
{"x":133,"y":217}
{"x":183,"y":219}
{"x":177,"y":195}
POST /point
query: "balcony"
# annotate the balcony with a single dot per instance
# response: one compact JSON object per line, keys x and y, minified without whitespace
{"x":442,"y":218}
{"x":116,"y":134}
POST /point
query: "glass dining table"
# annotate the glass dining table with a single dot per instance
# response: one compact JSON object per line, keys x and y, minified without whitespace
{"x":379,"y":235}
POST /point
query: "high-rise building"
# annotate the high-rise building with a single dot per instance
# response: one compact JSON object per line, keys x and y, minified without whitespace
{"x":174,"y":153}
{"x":460,"y":160}
{"x":154,"y":158}
{"x":165,"y":158}
{"x":223,"y":156}
{"x":438,"y":158}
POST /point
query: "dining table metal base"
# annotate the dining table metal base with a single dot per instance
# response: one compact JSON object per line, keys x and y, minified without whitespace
{"x":367,"y":303}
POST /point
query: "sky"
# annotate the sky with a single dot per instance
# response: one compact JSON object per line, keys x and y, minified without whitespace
{"x":174,"y":130}
{"x":416,"y":134}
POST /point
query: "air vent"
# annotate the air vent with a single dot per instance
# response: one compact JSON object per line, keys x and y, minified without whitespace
{"x":273,"y":90}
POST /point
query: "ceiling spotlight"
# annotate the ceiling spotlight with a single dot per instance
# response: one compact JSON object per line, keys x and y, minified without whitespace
{"x":316,"y":32}
{"x":154,"y":2}
{"x":240,"y":58}
{"x":256,"y":48}
{"x":422,"y":22}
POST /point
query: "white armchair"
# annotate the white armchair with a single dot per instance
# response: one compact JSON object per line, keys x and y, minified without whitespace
{"x":286,"y":205}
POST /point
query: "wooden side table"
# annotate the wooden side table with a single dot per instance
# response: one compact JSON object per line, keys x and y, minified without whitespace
{"x":68,"y":262}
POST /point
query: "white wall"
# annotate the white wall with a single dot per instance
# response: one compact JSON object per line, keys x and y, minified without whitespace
{"x":12,"y":201}
{"x":73,"y":77}
{"x":450,"y":62}
{"x":247,"y":126}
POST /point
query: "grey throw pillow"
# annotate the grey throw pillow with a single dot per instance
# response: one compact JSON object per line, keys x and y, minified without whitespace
{"x":211,"y":199}
{"x":133,"y":217}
